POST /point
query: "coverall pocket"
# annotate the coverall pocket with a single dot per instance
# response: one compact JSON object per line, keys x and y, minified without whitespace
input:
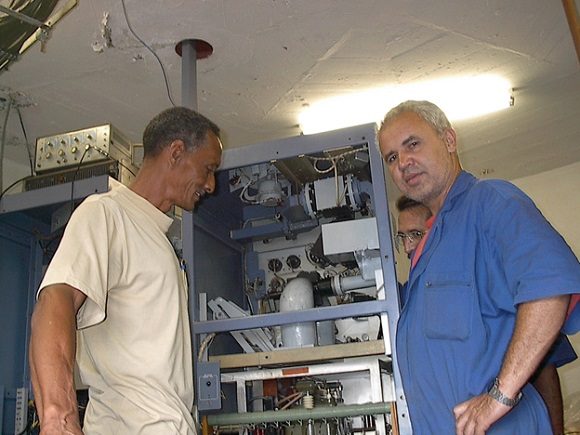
{"x":448,"y":307}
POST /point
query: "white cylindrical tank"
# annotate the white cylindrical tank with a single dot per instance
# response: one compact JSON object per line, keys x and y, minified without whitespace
{"x":298,"y":295}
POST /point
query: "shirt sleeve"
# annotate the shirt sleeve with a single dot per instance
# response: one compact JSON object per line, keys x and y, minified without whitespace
{"x":536,"y":260}
{"x":82,"y":260}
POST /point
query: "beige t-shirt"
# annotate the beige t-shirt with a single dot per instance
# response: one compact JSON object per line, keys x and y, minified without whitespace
{"x":133,"y":340}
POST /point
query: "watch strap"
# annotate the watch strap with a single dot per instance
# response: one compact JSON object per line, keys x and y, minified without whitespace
{"x":496,"y":394}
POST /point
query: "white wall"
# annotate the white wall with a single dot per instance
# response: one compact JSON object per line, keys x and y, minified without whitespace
{"x":557,"y":195}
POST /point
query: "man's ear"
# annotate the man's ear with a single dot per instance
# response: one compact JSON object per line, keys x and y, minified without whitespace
{"x":175,"y":151}
{"x":450,"y":139}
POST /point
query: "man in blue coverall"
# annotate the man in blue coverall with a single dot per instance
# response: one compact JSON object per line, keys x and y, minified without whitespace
{"x":488,"y":291}
{"x":411,"y":228}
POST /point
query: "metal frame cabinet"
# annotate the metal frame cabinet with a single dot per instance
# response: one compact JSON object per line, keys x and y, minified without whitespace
{"x":216,"y":226}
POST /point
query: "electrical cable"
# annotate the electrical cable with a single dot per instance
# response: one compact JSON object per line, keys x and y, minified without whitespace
{"x":151,"y":50}
{"x":3,"y":141}
{"x":26,"y":141}
{"x":72,"y":184}
{"x":106,"y":154}
{"x":205,"y":344}
{"x":12,"y":185}
{"x":334,"y":167}
{"x":292,"y":401}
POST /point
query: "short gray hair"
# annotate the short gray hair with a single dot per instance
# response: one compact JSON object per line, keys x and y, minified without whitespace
{"x":426,"y":110}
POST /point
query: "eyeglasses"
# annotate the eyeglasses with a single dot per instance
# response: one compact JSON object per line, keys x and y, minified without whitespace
{"x":411,"y":236}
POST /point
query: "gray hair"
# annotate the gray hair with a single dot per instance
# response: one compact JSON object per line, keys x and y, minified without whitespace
{"x":177,"y":123}
{"x":426,"y":110}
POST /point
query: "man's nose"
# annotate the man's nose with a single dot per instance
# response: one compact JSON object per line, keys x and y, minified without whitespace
{"x":404,"y":160}
{"x":409,"y":246}
{"x":210,"y":184}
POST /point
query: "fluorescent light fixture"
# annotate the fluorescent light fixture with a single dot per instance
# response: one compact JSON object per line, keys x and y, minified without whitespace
{"x":459,"y":97}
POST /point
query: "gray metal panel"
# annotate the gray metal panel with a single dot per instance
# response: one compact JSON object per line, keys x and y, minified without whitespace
{"x":1,"y":406}
{"x":54,"y":194}
{"x":295,"y":146}
{"x":309,"y":315}
{"x":392,"y":301}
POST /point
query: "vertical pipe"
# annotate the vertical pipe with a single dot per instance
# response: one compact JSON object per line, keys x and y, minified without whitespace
{"x":188,"y":74}
{"x":573,"y":22}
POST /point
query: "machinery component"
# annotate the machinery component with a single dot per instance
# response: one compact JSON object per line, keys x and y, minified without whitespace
{"x":298,"y":295}
{"x":21,"y":412}
{"x":260,"y":185}
{"x":275,"y":265}
{"x":121,"y":172}
{"x":369,"y":261}
{"x":293,"y":261}
{"x":300,"y":414}
{"x":88,"y":145}
{"x":208,"y":385}
{"x":277,"y":205}
{"x":269,"y":192}
{"x":252,"y":340}
{"x":323,"y":196}
{"x":357,"y":329}
{"x":355,"y":235}
{"x":342,"y":284}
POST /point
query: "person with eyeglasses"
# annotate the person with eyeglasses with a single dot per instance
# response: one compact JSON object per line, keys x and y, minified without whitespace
{"x":488,"y":292}
{"x":412,"y":225}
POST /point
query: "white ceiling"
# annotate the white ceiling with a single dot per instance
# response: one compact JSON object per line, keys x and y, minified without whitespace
{"x":273,"y":57}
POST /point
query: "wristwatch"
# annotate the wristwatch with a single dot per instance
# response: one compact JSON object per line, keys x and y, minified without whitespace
{"x":495,"y":393}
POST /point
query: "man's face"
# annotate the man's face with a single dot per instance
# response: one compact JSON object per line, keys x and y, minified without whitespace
{"x":412,"y":222}
{"x":421,"y":162}
{"x":195,"y":172}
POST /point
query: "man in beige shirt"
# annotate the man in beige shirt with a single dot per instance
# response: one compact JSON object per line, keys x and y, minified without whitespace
{"x":116,"y":279}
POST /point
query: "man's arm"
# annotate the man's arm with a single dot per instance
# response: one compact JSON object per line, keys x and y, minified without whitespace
{"x":537,"y":325}
{"x":52,"y":358}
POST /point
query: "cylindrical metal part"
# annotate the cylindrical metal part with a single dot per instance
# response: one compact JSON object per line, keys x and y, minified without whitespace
{"x":300,"y":414}
{"x":342,"y":284}
{"x":298,"y":295}
{"x":188,"y":74}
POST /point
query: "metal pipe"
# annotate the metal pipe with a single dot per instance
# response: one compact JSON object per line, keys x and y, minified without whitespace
{"x":188,"y":74}
{"x":342,"y":284}
{"x":24,"y":18}
{"x":300,"y":414}
{"x":366,"y":308}
{"x":297,"y":296}
{"x":573,"y":22}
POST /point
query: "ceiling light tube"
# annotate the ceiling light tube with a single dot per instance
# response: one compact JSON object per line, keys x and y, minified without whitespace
{"x":459,"y":97}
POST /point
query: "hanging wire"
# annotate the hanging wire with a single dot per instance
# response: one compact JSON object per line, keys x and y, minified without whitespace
{"x":12,"y":185}
{"x":151,"y":50}
{"x":25,"y":141}
{"x":72,"y":184}
{"x":3,"y":140}
{"x":205,"y":345}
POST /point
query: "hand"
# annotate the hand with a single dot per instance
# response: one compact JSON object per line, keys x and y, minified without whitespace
{"x":477,"y":414}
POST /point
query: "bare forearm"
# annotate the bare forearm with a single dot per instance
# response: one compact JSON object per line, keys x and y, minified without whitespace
{"x":52,"y":356}
{"x":537,"y":326}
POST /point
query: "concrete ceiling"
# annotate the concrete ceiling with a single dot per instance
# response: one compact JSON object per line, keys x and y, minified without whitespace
{"x":271,"y":58}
